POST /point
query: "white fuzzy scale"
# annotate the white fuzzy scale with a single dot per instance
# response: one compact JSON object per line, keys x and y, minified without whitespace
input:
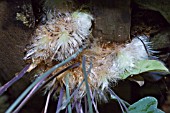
{"x":60,"y":37}
{"x":109,"y":67}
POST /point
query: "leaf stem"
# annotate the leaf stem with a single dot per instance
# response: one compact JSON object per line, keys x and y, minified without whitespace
{"x":67,"y":92}
{"x":12,"y":81}
{"x":87,"y":86}
{"x":42,"y":77}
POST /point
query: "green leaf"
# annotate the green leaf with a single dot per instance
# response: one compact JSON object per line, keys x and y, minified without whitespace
{"x":151,"y":65}
{"x":145,"y":66}
{"x":145,"y":105}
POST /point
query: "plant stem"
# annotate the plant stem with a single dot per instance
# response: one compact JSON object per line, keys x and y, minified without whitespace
{"x":42,"y":77}
{"x":12,"y":81}
{"x":68,"y":100}
{"x":119,"y":100}
{"x":60,"y":98}
{"x":28,"y":97}
{"x":47,"y":102}
{"x":67,"y":92}
{"x":87,"y":86}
